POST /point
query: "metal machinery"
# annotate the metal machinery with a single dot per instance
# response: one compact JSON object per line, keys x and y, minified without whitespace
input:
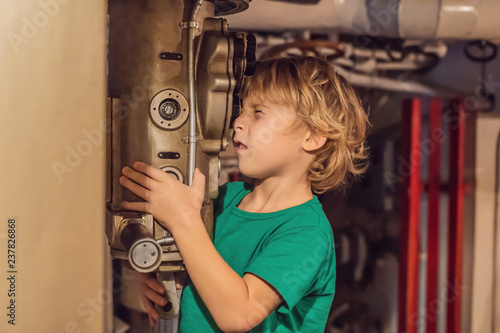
{"x":174,"y":72}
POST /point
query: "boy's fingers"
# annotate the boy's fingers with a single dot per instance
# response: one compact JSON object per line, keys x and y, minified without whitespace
{"x":149,"y":280}
{"x":153,"y":296}
{"x":139,"y":178}
{"x":153,"y":320}
{"x":150,"y":170}
{"x":153,"y":315}
{"x":199,"y":182}
{"x":152,"y":289}
{"x":135,"y":188}
{"x":179,"y":279}
{"x":154,"y":284}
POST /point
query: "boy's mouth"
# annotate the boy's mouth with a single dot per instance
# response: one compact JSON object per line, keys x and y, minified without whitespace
{"x":238,"y":146}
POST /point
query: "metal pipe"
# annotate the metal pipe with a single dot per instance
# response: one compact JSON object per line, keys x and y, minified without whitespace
{"x":410,"y":217}
{"x":434,"y":181}
{"x":392,"y":84}
{"x":455,"y":217}
{"x":192,"y":25}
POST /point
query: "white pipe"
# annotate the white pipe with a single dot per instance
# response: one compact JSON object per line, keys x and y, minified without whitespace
{"x":382,"y":83}
{"x":444,"y":19}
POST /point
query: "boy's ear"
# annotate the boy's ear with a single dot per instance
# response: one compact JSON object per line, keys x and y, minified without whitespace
{"x":313,"y":141}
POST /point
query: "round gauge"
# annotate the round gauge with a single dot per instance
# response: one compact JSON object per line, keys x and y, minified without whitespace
{"x":169,"y":109}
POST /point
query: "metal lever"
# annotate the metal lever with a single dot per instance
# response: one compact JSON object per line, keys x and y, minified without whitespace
{"x":169,"y":310}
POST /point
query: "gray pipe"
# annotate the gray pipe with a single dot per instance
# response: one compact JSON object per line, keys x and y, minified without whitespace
{"x":192,"y":25}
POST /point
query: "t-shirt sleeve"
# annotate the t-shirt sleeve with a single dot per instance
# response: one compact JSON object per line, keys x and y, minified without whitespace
{"x":291,"y":260}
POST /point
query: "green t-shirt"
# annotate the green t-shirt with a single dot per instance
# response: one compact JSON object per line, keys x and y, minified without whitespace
{"x":291,"y":249}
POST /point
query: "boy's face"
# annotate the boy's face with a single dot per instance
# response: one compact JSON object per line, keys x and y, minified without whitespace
{"x":268,"y":139}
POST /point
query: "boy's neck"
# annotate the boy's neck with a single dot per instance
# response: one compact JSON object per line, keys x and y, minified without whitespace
{"x":273,"y":194}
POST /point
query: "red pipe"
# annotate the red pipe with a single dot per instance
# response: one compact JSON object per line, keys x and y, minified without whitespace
{"x":455,"y":229}
{"x":410,"y":201}
{"x":434,"y":150}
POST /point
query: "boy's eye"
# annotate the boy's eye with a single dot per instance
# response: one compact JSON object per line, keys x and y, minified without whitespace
{"x":258,"y":111}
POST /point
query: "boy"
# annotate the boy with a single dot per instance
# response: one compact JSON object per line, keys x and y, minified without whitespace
{"x":271,"y":267}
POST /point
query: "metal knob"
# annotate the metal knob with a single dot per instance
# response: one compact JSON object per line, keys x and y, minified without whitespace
{"x":144,"y":252}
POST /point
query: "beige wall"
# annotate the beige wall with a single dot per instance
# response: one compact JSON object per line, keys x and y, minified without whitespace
{"x":487,"y":129}
{"x":52,"y":99}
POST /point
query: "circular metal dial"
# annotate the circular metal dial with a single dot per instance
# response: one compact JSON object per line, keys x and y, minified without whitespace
{"x":169,"y":109}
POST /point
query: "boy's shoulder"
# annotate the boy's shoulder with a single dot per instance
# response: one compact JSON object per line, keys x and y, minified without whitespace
{"x":309,"y":217}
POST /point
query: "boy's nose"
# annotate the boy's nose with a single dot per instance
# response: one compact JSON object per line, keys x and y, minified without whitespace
{"x":238,"y":123}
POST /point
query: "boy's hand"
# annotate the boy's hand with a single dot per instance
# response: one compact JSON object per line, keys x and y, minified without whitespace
{"x":171,"y":202}
{"x":152,"y":291}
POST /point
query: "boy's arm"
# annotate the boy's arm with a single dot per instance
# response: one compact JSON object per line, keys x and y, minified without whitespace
{"x":236,"y":303}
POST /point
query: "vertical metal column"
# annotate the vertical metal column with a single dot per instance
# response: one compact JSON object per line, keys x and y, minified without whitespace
{"x":456,"y":194}
{"x":433,"y":218}
{"x":410,"y":202}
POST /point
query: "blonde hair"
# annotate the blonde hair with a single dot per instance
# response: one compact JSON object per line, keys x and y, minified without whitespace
{"x":327,"y":104}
